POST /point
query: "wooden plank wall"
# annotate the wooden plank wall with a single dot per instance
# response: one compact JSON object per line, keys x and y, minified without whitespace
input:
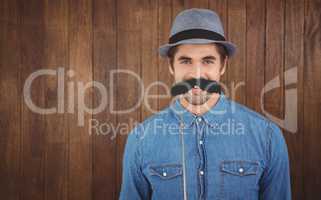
{"x":46,"y":157}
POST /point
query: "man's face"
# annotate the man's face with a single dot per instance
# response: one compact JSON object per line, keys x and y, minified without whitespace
{"x":197,"y":61}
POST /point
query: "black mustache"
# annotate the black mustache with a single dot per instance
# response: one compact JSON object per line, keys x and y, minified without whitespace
{"x":184,"y":86}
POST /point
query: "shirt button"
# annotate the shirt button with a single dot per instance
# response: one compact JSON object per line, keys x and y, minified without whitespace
{"x":241,"y":170}
{"x":202,"y":172}
{"x":201,"y":142}
{"x":164,"y":174}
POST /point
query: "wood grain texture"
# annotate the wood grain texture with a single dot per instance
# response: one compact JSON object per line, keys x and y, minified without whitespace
{"x":33,"y":124}
{"x":196,"y":3}
{"x":312,"y":99}
{"x":293,"y":58}
{"x":10,"y":104}
{"x":129,"y":61}
{"x":56,"y":127}
{"x":79,"y":139}
{"x":165,"y":10}
{"x":274,"y":61}
{"x":149,"y":64}
{"x":236,"y":70}
{"x":255,"y":51}
{"x":52,"y":156}
{"x":104,"y":62}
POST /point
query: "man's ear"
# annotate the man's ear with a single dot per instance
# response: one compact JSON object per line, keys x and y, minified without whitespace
{"x":223,"y":69}
{"x":171,"y":68}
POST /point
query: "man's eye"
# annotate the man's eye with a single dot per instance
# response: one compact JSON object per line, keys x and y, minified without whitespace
{"x":208,"y":62}
{"x":185,"y":62}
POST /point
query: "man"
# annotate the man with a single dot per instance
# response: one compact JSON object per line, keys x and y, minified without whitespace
{"x":204,"y":146}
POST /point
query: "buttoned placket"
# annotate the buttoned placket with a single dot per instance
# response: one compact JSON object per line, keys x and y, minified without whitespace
{"x":201,"y":152}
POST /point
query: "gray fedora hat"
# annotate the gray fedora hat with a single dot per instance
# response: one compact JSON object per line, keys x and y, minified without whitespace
{"x":197,"y":26}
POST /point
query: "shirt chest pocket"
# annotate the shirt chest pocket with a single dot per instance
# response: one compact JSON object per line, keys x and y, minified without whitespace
{"x":166,"y":171}
{"x":239,"y":179}
{"x":166,"y":180}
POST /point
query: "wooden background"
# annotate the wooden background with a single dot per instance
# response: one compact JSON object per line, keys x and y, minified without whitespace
{"x":51,"y":157}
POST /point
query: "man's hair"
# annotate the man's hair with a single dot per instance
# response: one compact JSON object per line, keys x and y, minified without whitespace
{"x":219,"y":47}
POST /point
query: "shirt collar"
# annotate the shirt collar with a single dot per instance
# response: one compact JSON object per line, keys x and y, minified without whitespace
{"x":210,"y":117}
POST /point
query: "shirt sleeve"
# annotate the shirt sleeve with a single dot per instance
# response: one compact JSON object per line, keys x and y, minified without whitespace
{"x":134,"y":185}
{"x":275,"y":183}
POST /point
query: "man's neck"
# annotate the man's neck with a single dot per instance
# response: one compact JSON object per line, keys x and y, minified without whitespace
{"x":200,"y":109}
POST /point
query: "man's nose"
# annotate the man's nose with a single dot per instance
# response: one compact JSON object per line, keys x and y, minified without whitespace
{"x":198,"y":70}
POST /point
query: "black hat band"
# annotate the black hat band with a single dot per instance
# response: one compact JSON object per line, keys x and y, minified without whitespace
{"x":196,"y":33}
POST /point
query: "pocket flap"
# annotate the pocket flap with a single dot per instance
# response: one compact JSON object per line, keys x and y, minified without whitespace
{"x":240,"y":167}
{"x":166,"y":171}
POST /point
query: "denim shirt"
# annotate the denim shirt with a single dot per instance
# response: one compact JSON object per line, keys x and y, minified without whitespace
{"x":231,"y":152}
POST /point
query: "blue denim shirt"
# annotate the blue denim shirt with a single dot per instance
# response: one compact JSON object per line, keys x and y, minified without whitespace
{"x":231,"y":152}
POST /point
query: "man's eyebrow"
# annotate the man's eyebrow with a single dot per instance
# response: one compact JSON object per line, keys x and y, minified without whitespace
{"x":209,"y":58}
{"x":184,"y":58}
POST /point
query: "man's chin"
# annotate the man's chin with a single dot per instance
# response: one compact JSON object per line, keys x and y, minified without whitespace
{"x":196,"y":103}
